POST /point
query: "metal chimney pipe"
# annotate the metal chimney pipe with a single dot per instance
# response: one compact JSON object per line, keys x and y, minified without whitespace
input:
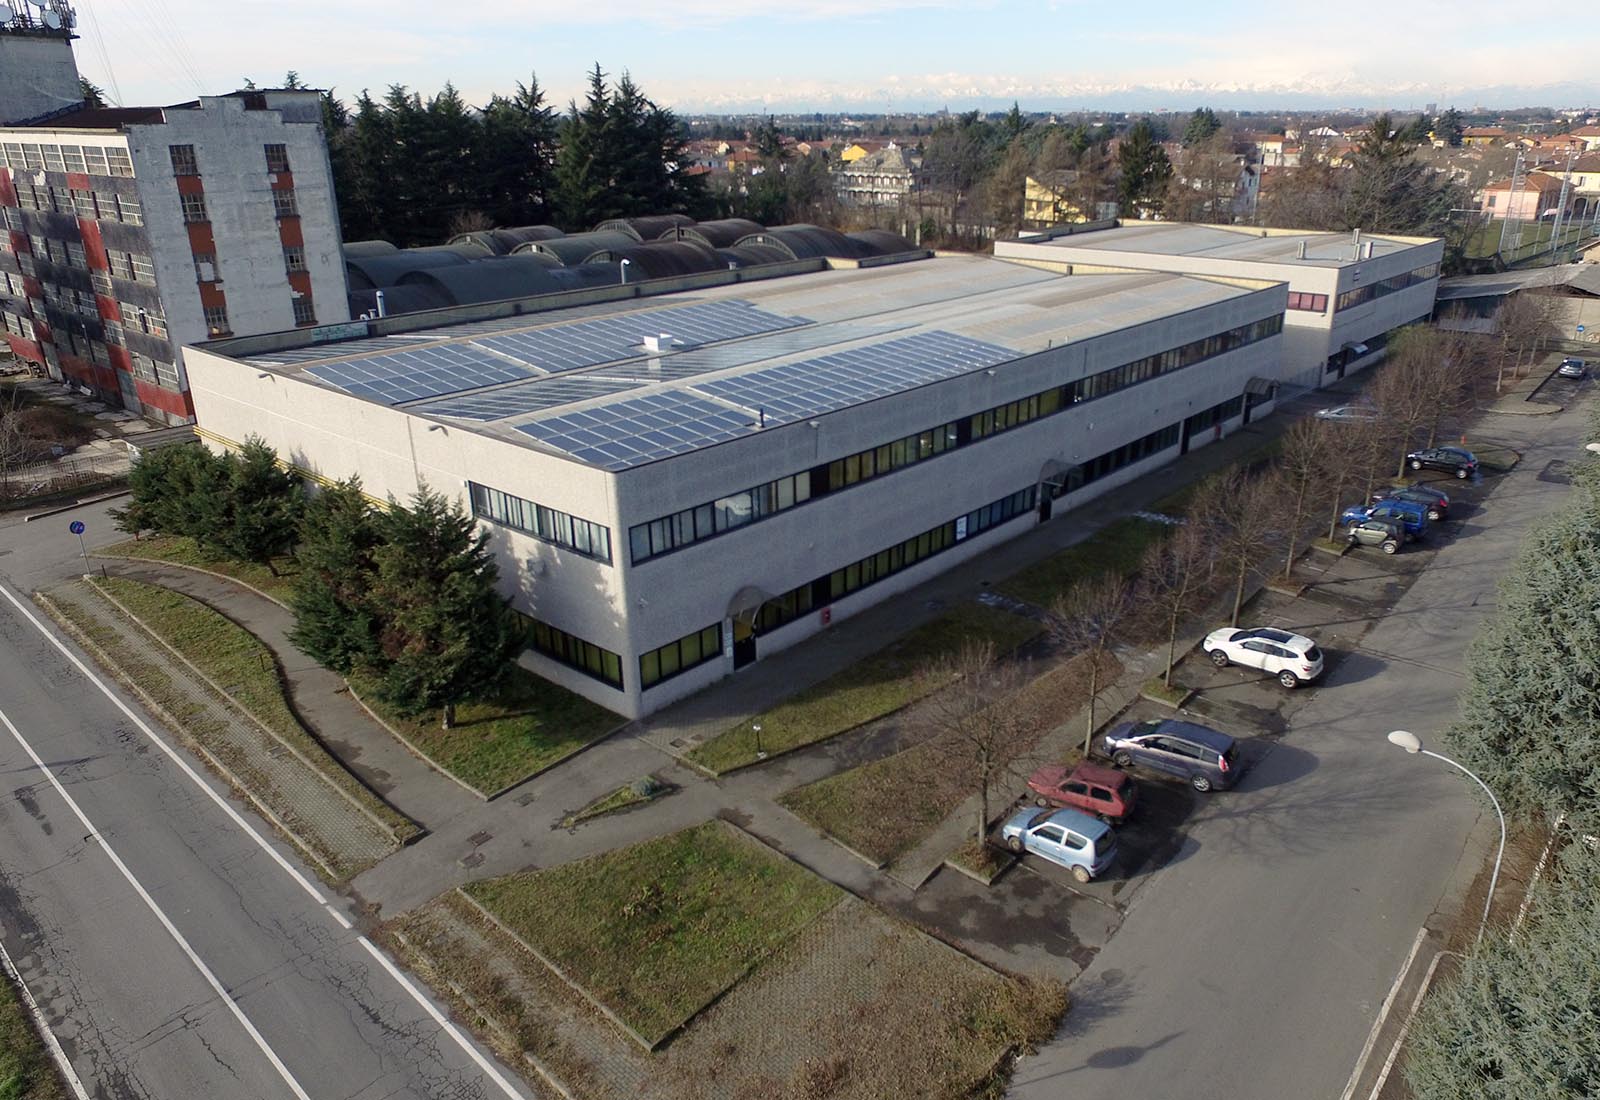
{"x":1300,"y":251}
{"x":383,"y":310}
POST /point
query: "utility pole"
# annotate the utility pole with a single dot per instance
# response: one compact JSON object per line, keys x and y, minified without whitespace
{"x":1511,"y":228}
{"x":1561,"y":207}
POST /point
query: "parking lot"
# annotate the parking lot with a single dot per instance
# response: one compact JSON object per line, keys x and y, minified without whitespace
{"x":1340,"y":599}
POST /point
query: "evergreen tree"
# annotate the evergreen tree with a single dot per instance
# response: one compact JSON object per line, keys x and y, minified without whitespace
{"x":447,"y":635}
{"x":1144,"y":169}
{"x":1012,"y":125}
{"x":515,"y":156}
{"x":1202,"y":124}
{"x":177,"y":491}
{"x":1449,"y":128}
{"x":262,"y":506}
{"x":769,"y":141}
{"x":93,"y":95}
{"x":335,"y":619}
{"x":1417,"y":132}
{"x":583,"y":158}
{"x":1391,"y":190}
{"x":291,"y":79}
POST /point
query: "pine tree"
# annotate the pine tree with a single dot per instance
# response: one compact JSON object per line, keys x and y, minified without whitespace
{"x":335,"y":619}
{"x":447,"y":635}
{"x":263,"y":506}
{"x":1144,"y":168}
{"x":177,"y":491}
{"x":1449,"y":128}
{"x":582,"y":170}
{"x":1391,"y":190}
{"x":1202,"y":124}
{"x":515,"y":157}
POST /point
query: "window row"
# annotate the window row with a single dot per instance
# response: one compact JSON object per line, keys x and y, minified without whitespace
{"x":1382,"y":287}
{"x":17,"y":326}
{"x":592,"y":540}
{"x":131,"y":266}
{"x":648,"y":540}
{"x":66,"y":298}
{"x":95,"y":205}
{"x":142,"y":320}
{"x":680,"y":656}
{"x":92,"y":160}
{"x":1311,"y":303}
{"x":574,"y":652}
{"x":1125,"y":455}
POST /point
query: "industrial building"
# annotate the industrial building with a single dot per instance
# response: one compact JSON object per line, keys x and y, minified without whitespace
{"x":1347,"y":292}
{"x":129,"y":232}
{"x":685,"y":476}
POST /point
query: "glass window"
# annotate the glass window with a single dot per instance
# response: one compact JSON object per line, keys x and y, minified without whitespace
{"x":183,"y":160}
{"x":194,"y":208}
{"x":284,"y":204}
{"x":304,"y":314}
{"x":277,"y":158}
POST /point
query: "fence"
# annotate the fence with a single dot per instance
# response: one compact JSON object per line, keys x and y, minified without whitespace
{"x":61,"y":475}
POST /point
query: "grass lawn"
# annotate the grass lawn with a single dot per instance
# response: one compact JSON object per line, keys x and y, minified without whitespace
{"x":234,"y":659}
{"x":869,"y":689}
{"x":497,"y":742}
{"x":867,"y":808}
{"x":182,"y":551}
{"x":657,"y":930}
{"x":1117,"y":547}
{"x":26,"y":1071}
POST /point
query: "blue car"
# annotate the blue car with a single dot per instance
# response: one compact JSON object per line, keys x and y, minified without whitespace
{"x":1072,"y":839}
{"x":1409,"y":514}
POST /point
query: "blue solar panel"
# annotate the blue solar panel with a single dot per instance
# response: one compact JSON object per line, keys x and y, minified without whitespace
{"x":423,"y":372}
{"x":526,"y":397}
{"x":796,"y":391}
{"x":636,"y":430}
{"x":609,"y":339}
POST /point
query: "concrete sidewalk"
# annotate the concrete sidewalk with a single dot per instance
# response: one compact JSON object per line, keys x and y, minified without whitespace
{"x":319,"y":697}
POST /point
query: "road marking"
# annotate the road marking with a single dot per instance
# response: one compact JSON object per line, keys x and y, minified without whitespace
{"x":43,"y":1027}
{"x":172,"y":930}
{"x":1405,"y":1028}
{"x":399,"y":975}
{"x":427,"y":1006}
{"x":1383,"y":1015}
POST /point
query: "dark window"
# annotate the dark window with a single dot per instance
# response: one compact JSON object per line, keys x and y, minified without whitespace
{"x":304,"y":314}
{"x":277,"y":158}
{"x":194,"y":208}
{"x":183,"y":162}
{"x":294,"y":258}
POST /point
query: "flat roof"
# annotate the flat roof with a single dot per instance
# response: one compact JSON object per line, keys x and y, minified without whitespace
{"x":1222,"y":243}
{"x":622,"y":384}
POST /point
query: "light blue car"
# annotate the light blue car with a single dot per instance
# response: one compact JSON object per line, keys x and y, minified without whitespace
{"x":1082,"y":844}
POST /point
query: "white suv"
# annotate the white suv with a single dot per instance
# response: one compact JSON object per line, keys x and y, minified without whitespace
{"x":1292,"y":658}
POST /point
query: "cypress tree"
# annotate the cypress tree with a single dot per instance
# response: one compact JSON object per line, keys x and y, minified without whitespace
{"x":335,"y":620}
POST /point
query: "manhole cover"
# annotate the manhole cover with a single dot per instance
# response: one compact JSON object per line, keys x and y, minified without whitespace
{"x":472,"y":860}
{"x":677,"y":742}
{"x":480,"y":839}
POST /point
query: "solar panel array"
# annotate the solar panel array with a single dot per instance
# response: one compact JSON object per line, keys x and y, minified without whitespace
{"x":696,"y":361}
{"x":526,"y":397}
{"x":608,"y":339}
{"x":341,"y":348}
{"x":425,"y":372}
{"x":797,"y":391}
{"x":636,"y":430}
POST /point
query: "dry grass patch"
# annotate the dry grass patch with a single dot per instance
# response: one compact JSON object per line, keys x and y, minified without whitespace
{"x":26,"y":1071}
{"x":658,"y":930}
{"x":869,"y":689}
{"x":886,"y":808}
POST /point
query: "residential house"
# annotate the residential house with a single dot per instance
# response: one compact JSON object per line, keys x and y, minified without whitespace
{"x":883,"y":178}
{"x":1539,"y":196}
{"x":1590,"y":136}
{"x":1484,"y":135}
{"x":858,"y":149}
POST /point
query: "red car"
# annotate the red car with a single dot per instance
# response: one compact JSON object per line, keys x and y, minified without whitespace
{"x":1104,"y":792}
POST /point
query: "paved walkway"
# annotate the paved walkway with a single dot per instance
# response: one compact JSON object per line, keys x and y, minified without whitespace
{"x":319,"y":697}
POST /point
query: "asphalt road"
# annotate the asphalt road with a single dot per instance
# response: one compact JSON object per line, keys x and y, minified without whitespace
{"x":175,"y":951}
{"x":1254,"y":964}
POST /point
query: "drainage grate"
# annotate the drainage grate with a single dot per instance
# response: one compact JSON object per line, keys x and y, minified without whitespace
{"x":480,"y":839}
{"x":471,"y":860}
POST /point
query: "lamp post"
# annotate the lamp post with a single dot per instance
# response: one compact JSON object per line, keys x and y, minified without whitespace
{"x":1410,"y":742}
{"x":760,"y":753}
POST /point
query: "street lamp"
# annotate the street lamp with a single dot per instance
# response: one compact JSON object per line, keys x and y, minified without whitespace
{"x":1592,"y":448}
{"x":760,"y":753}
{"x":1409,"y":741}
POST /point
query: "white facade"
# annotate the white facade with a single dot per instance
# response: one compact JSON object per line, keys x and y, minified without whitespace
{"x":1345,"y":292}
{"x":37,"y":73}
{"x":973,"y":456}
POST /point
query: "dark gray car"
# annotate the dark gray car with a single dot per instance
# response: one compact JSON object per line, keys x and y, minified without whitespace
{"x":1209,"y":760}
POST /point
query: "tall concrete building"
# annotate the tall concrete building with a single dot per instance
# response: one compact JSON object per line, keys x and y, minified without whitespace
{"x":128,"y":232}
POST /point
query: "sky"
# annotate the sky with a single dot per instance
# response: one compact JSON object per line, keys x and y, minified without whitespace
{"x":864,"y":56}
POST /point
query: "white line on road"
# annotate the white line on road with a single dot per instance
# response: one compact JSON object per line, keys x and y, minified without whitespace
{"x":1405,"y":1028}
{"x":43,"y":1025}
{"x":417,"y":995}
{"x":172,"y":930}
{"x":1383,"y":1015}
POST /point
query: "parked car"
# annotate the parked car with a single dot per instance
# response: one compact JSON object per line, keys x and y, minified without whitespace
{"x":1455,"y":460}
{"x":1293,"y":658}
{"x":1206,"y":758}
{"x":1572,"y":368}
{"x":1108,"y":794}
{"x":1408,"y":513}
{"x":1348,"y":412}
{"x":1072,"y":839}
{"x":1436,"y":501}
{"x":1385,"y":534}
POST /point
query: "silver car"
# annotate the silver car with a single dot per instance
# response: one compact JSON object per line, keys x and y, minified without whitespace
{"x":1072,"y":839}
{"x":1572,"y":368}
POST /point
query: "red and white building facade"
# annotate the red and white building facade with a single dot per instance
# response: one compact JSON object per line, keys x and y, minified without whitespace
{"x":126,"y":233}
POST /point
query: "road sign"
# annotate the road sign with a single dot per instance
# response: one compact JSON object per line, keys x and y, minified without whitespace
{"x":1580,"y":328}
{"x":77,"y":527}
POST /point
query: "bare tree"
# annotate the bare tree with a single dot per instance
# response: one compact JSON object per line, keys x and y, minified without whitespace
{"x":1462,"y":372}
{"x":1526,"y":321}
{"x":17,"y":446}
{"x":1089,"y":618}
{"x":1172,"y":579}
{"x":1308,"y":447}
{"x":977,"y":726}
{"x":1405,"y":388}
{"x":1253,"y":520}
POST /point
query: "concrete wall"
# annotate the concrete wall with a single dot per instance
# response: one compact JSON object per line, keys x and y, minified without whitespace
{"x":228,"y":143}
{"x":37,"y":75}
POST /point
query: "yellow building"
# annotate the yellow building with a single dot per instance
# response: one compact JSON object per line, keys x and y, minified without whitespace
{"x":1046,"y":200}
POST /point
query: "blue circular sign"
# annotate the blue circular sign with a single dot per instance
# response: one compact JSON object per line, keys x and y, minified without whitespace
{"x":1580,"y":328}
{"x":77,"y":527}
